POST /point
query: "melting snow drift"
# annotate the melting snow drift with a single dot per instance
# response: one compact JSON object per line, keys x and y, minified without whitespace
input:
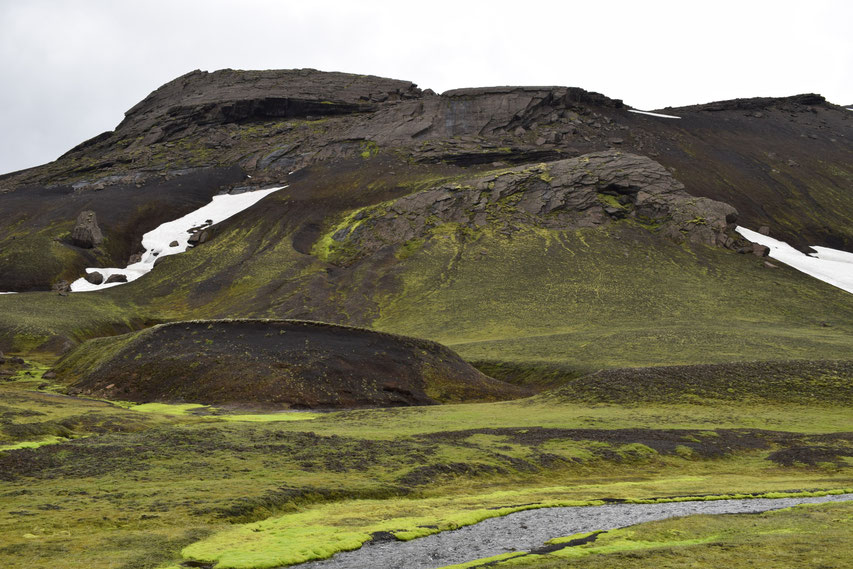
{"x":157,"y":241}
{"x":829,"y":265}
{"x":653,"y":114}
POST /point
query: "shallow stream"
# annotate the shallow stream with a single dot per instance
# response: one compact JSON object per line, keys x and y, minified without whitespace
{"x":530,"y":529}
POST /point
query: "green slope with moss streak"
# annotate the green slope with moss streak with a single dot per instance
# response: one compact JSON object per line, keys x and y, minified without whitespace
{"x":612,"y":296}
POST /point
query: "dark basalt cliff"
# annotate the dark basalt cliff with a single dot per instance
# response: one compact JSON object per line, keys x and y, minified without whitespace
{"x":200,"y":98}
{"x":784,"y":162}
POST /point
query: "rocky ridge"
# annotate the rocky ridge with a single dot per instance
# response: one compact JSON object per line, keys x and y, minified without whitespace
{"x":587,"y":191}
{"x":779,"y":162}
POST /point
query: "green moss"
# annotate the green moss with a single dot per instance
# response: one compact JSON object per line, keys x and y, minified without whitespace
{"x":168,"y":408}
{"x":369,"y":149}
{"x":33,"y":444}
{"x":409,"y":248}
{"x":610,"y":200}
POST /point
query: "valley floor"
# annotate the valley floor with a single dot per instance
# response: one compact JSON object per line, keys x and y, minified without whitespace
{"x":155,"y":486}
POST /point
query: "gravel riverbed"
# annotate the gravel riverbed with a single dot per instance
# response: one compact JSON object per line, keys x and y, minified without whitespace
{"x":530,"y":529}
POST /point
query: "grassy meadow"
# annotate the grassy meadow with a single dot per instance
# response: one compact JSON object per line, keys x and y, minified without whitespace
{"x":123,"y":486}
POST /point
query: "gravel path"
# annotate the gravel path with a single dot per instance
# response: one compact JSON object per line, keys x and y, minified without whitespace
{"x":530,"y":529}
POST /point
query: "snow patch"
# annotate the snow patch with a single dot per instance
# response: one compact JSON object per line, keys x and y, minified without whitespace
{"x":8,"y":293}
{"x":829,"y":265}
{"x":157,"y":242}
{"x":653,"y":114}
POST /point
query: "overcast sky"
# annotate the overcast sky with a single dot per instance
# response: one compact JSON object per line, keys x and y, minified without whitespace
{"x":69,"y":69}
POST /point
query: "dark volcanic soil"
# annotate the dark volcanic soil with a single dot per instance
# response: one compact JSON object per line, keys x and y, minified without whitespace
{"x":276,"y":364}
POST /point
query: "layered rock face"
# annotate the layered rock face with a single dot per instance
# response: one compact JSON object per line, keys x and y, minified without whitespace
{"x":230,"y":96}
{"x":590,"y":190}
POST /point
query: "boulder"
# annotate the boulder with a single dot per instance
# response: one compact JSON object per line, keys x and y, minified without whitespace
{"x":116,"y":278}
{"x":173,"y":244}
{"x":760,"y":250}
{"x":764,"y":230}
{"x":62,"y":287}
{"x":94,"y":277}
{"x":86,"y":232}
{"x":199,"y":237}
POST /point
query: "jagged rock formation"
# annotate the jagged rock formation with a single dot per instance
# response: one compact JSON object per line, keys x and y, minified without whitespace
{"x":568,"y":194}
{"x":86,"y":232}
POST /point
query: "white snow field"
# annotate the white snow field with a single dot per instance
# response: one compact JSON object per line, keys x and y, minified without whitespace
{"x":157,"y":241}
{"x":653,"y":114}
{"x":829,"y":265}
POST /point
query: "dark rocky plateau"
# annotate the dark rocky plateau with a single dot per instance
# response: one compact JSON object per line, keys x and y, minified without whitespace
{"x":275,"y":364}
{"x":785,"y":163}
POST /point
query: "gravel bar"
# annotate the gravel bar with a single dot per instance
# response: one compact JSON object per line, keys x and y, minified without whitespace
{"x":530,"y":529}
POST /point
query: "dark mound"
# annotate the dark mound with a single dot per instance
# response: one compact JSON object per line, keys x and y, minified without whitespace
{"x":275,"y":363}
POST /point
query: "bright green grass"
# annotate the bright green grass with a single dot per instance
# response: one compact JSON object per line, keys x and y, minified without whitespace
{"x":270,"y":417}
{"x":215,"y":414}
{"x":33,"y":444}
{"x":393,"y":423}
{"x":168,"y":408}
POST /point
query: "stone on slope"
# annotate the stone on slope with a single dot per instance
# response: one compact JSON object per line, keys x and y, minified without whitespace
{"x":86,"y":232}
{"x":117,"y":278}
{"x":94,"y":277}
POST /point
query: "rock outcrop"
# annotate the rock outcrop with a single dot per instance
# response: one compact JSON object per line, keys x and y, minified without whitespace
{"x":86,"y":232}
{"x":590,"y":190}
{"x":229,"y":96}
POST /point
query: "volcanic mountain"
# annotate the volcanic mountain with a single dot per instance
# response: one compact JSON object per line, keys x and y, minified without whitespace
{"x":541,"y":225}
